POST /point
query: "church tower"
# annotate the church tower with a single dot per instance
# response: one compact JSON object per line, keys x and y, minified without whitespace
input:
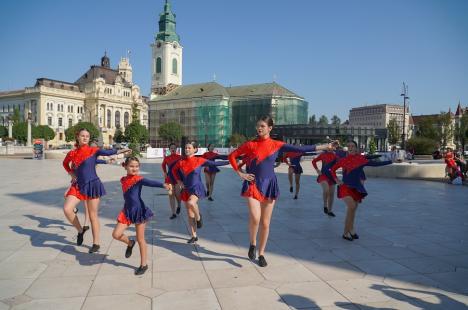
{"x":166,"y":68}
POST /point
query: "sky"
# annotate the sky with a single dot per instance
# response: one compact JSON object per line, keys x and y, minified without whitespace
{"x":337,"y":54}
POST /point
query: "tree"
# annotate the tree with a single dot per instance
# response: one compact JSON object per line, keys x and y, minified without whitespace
{"x":136,"y":133}
{"x":3,"y":131}
{"x":16,"y":117}
{"x":393,"y":131}
{"x":335,"y":120}
{"x":43,"y":132}
{"x":323,"y":121}
{"x":71,"y":132}
{"x":171,"y":131}
{"x":445,"y":128}
{"x":372,"y":146}
{"x":237,"y":139}
{"x":427,"y":128}
{"x":461,"y":131}
{"x":421,"y":145}
{"x":119,"y":136}
{"x":20,"y":131}
{"x":313,"y":120}
{"x":135,"y":112}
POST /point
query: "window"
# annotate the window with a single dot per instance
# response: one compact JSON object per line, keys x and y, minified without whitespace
{"x":71,"y":109}
{"x":49,"y":120}
{"x":182,"y":117}
{"x":117,"y":119}
{"x":158,"y":65}
{"x":70,"y":123}
{"x":174,"y":66}
{"x":109,"y":116}
{"x":126,"y":118}
{"x":60,"y":122}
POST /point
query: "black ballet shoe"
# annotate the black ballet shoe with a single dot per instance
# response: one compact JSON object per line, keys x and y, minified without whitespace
{"x":173,"y":217}
{"x":331,"y":214}
{"x":348,"y":237}
{"x":200,"y":222}
{"x":75,"y":210}
{"x":252,"y":252}
{"x":325,"y":210}
{"x":129,"y":250}
{"x":95,"y":248}
{"x":141,"y":270}
{"x":178,"y":210}
{"x":262,"y":261}
{"x":210,"y":199}
{"x":85,"y":228}
{"x":207,"y":193}
{"x":79,"y":238}
{"x":192,"y":240}
{"x":295,"y":197}
{"x":355,"y":236}
{"x":290,"y":189}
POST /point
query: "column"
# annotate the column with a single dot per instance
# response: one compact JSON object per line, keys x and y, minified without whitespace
{"x":29,"y":133}
{"x":10,"y":129}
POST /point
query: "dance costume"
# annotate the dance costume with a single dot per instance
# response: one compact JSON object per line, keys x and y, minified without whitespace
{"x":259,"y":156}
{"x":84,"y":159}
{"x":134,"y":210}
{"x":328,"y":159}
{"x":294,"y":160}
{"x":212,"y":156}
{"x":353,"y":175}
{"x":188,"y":170}
{"x":167,"y":165}
{"x":98,"y":161}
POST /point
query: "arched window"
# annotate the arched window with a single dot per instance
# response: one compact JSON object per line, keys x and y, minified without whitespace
{"x":158,"y":65}
{"x":117,"y":119}
{"x":126,"y":118}
{"x":109,"y":116}
{"x":174,"y":66}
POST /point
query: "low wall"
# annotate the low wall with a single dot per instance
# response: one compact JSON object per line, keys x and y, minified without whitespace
{"x":10,"y":149}
{"x":413,"y":170}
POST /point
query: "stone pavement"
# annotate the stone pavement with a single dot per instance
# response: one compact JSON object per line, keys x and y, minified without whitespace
{"x":413,"y":251}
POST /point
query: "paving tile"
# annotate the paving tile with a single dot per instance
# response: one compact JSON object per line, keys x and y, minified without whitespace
{"x":73,"y":303}
{"x":130,"y":301}
{"x":309,"y":294}
{"x":187,"y":300}
{"x":250,"y":298}
{"x":60,"y":287}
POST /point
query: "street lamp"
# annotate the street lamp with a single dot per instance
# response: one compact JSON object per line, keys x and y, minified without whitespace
{"x":404,"y":94}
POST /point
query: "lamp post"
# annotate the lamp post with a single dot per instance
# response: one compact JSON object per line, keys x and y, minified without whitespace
{"x":404,"y":94}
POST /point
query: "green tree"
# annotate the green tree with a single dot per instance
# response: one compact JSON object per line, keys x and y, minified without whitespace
{"x":171,"y":132}
{"x":3,"y":131}
{"x":43,"y":132}
{"x":393,"y":132}
{"x":136,"y":134}
{"x":313,"y":120}
{"x":119,"y":136}
{"x":421,"y":145}
{"x":335,"y":121}
{"x":16,"y":117}
{"x":135,"y":112}
{"x":237,"y":139}
{"x":323,"y":121}
{"x":20,"y":131}
{"x":372,"y":146}
{"x":427,"y":128}
{"x":71,"y":132}
{"x":445,"y":128}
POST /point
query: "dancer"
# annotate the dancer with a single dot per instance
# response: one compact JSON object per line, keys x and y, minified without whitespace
{"x":135,"y":211}
{"x":325,"y":179}
{"x":260,"y":186}
{"x":211,"y":171}
{"x":187,"y":173}
{"x":167,"y":165}
{"x":351,"y":188}
{"x":293,"y":160}
{"x":86,"y":184}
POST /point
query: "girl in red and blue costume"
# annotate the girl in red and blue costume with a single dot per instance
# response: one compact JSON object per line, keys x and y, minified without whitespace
{"x":86,"y":185}
{"x":135,"y":211}
{"x":325,"y":179}
{"x":167,"y":165}
{"x":211,"y":171}
{"x":351,"y":188}
{"x":293,"y":160}
{"x":260,"y":186}
{"x":187,"y":173}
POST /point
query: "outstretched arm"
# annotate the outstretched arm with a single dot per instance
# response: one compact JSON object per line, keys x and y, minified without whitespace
{"x":151,"y":183}
{"x":215,"y":163}
{"x":373,"y":163}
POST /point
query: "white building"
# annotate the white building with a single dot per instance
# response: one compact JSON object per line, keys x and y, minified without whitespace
{"x":102,"y":95}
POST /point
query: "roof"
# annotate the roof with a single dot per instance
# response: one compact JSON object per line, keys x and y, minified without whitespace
{"x":211,"y":89}
{"x":459,"y":110}
{"x":56,"y":84}
{"x":94,"y":72}
{"x":269,"y":89}
{"x":419,"y":118}
{"x":378,"y":106}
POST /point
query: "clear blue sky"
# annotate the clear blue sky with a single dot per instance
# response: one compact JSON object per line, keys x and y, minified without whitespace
{"x":336,"y":54}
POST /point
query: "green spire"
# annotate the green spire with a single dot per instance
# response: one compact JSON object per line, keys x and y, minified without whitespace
{"x":167,"y":25}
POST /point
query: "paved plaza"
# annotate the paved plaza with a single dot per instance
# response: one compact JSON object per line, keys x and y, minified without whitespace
{"x":412,"y":254}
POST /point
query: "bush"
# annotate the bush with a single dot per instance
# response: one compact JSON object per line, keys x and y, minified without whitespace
{"x":93,"y":131}
{"x":3,"y":131}
{"x":421,"y":145}
{"x":20,"y":131}
{"x":43,"y":132}
{"x":171,"y":132}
